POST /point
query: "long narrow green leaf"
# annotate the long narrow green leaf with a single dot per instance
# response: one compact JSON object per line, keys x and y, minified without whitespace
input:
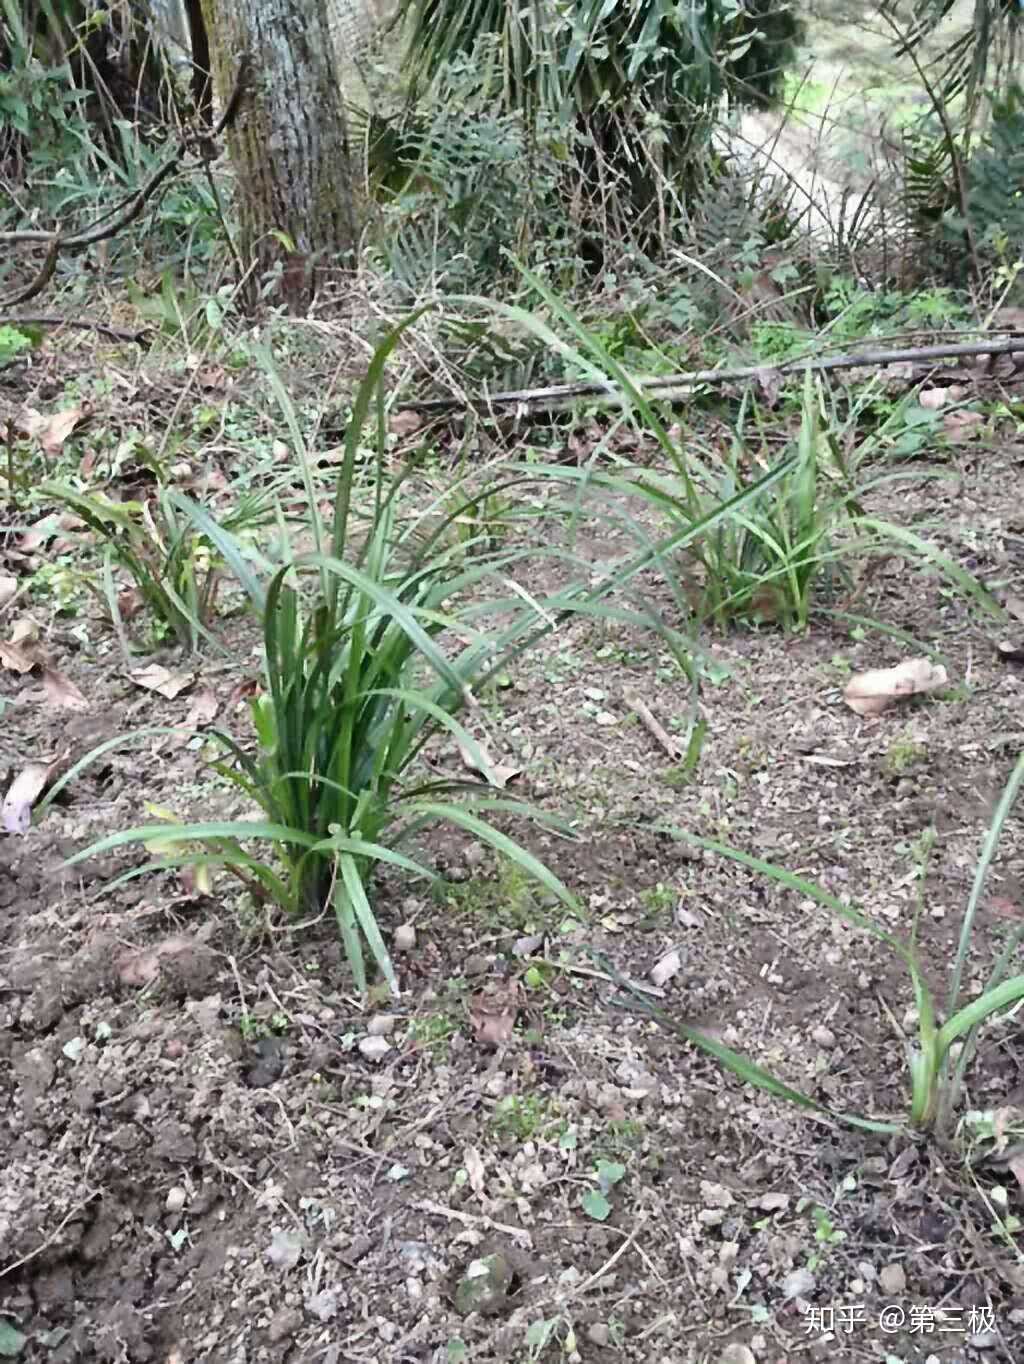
{"x":354,"y":890}
{"x":501,"y":843}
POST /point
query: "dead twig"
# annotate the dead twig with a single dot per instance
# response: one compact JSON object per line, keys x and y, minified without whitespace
{"x":473,"y":1220}
{"x":650,"y":722}
{"x":68,"y":1217}
{"x":681,"y":385}
{"x":140,"y":338}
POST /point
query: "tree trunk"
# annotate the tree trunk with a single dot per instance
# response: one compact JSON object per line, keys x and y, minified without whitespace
{"x":289,"y":144}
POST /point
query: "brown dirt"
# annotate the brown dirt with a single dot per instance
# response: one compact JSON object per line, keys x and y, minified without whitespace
{"x":200,"y":1163}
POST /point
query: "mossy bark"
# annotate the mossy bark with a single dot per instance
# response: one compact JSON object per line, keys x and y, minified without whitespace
{"x":289,"y":144}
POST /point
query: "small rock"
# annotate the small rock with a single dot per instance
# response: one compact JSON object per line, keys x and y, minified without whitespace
{"x":773,"y":1202}
{"x":176,"y":1199}
{"x":598,"y":1334}
{"x":668,"y":966}
{"x":285,"y":1250}
{"x":405,"y":937}
{"x":799,"y":1283}
{"x":283,"y":1324}
{"x":983,"y":1340}
{"x":324,"y":1305}
{"x":381,"y":1025}
{"x":526,"y":947}
{"x":715,"y":1195}
{"x":269,"y":1055}
{"x":484,"y":1286}
{"x":374,"y":1048}
{"x":737,"y":1354}
{"x":892,"y":1280}
{"x":823,"y":1037}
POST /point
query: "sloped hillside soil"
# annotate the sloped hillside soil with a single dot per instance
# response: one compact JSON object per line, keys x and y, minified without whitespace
{"x":203,"y":1160}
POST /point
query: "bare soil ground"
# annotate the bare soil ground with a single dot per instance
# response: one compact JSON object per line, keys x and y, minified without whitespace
{"x":200,"y":1163}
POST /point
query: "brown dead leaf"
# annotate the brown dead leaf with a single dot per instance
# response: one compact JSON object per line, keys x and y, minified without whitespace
{"x":932,"y":399}
{"x":213,"y":378}
{"x":1004,"y":906}
{"x":162,"y":680}
{"x":871,"y":692}
{"x":22,"y":651}
{"x":770,"y":382}
{"x":25,"y":790}
{"x":24,"y":631}
{"x":666,"y":967}
{"x":242,"y":691}
{"x":405,"y":423}
{"x":492,"y":1013}
{"x":61,"y":691}
{"x":17,"y":658}
{"x":36,"y":536}
{"x":473,"y":1164}
{"x":960,"y":424}
{"x":129,"y":602}
{"x":203,"y":711}
{"x":498,"y":774}
{"x":56,"y":429}
{"x":143,"y":967}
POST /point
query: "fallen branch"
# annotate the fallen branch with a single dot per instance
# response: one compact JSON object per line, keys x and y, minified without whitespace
{"x":681,"y":385}
{"x":141,"y":338}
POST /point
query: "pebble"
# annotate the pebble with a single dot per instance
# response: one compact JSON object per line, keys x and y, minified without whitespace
{"x":799,"y":1283}
{"x":737,"y":1354}
{"x":374,"y":1048}
{"x":176,"y":1199}
{"x":381,"y":1024}
{"x":892,"y":1280}
{"x":823,"y":1037}
{"x":405,"y":938}
{"x":283,"y":1324}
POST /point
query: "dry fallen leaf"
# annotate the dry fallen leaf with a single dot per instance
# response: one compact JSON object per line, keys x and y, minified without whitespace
{"x":871,"y":692}
{"x":36,"y":536}
{"x":670,"y":965}
{"x":473,"y":1164}
{"x":129,"y":602}
{"x":18,"y":658}
{"x":25,"y":790}
{"x":202,"y":711}
{"x":162,"y":680}
{"x":404,"y":423}
{"x":1007,"y":907}
{"x":960,"y":424}
{"x":492,"y":1013}
{"x":497,"y":774}
{"x":61,"y":691}
{"x":143,"y":967}
{"x":54,"y":431}
{"x":932,"y":399}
